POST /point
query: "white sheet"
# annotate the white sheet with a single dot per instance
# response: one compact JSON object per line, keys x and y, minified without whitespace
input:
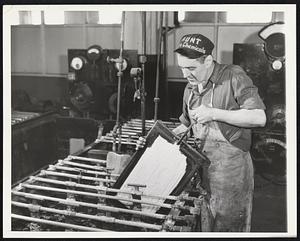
{"x":160,"y":168}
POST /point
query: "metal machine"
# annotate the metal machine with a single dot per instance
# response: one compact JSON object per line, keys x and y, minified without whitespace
{"x":265,"y":64}
{"x":93,"y":83}
{"x":80,"y":193}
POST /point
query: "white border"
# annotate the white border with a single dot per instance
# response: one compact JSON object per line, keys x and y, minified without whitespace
{"x":290,"y":22}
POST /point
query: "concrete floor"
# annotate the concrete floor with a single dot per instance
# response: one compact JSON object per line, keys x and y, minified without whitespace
{"x":269,"y":207}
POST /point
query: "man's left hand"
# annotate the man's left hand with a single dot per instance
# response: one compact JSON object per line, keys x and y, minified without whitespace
{"x":202,"y":114}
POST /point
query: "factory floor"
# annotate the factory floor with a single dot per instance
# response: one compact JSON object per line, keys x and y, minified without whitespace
{"x":269,"y":207}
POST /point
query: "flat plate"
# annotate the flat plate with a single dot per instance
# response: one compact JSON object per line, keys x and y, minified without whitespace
{"x":193,"y":158}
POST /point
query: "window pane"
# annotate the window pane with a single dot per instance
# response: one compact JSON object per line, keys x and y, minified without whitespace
{"x":92,"y":17}
{"x":25,"y":17}
{"x":110,"y":17}
{"x":75,"y":17}
{"x":54,"y":16}
{"x":248,"y":16}
{"x":36,"y":17}
{"x":14,"y":18}
{"x":181,"y":15}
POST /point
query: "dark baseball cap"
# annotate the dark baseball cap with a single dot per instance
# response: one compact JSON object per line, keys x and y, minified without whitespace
{"x":194,"y":45}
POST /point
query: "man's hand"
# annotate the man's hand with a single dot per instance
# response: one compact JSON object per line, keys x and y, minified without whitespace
{"x":202,"y":114}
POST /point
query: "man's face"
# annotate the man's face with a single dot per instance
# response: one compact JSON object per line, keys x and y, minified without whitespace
{"x":194,"y":70}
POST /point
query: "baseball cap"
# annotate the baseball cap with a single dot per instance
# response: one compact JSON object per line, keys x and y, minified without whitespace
{"x":194,"y":45}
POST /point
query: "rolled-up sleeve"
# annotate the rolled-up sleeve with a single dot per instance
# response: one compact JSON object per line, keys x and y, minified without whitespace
{"x":184,"y":117}
{"x":245,"y":92}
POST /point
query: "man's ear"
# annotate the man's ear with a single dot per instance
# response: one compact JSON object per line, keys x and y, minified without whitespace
{"x":208,"y":61}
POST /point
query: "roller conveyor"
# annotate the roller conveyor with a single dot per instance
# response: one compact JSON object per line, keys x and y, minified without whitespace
{"x":77,"y":194}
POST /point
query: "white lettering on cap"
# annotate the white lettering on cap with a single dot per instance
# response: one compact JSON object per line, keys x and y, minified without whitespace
{"x":192,"y":40}
{"x":198,"y":40}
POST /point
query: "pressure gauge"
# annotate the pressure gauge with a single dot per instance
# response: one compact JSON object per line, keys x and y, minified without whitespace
{"x":94,"y":52}
{"x":78,"y":62}
{"x":277,"y":65}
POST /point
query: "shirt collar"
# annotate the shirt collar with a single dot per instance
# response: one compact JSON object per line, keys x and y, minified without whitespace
{"x":214,"y":76}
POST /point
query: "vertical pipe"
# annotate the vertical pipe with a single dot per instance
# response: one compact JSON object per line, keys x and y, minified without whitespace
{"x":120,"y":69}
{"x":143,"y":100}
{"x":119,"y":74}
{"x":156,"y":98}
{"x":165,"y":55}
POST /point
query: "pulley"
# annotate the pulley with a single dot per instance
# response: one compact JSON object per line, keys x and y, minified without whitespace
{"x":81,"y":96}
{"x":276,"y":116}
{"x":273,"y":166}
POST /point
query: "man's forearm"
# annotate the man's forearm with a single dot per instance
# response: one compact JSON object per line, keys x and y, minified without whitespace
{"x":241,"y":118}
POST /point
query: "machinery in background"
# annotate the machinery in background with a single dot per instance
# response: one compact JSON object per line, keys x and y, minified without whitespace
{"x":93,"y":82}
{"x":32,"y":140}
{"x":265,"y":64}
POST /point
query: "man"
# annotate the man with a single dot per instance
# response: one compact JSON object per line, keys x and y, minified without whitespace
{"x":221,"y":103}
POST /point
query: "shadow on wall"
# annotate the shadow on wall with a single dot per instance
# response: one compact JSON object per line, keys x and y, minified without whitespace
{"x":227,"y":56}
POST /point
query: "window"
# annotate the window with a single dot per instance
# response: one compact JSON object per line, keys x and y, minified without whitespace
{"x":231,"y":16}
{"x":248,"y":16}
{"x":14,"y":17}
{"x":36,"y":17}
{"x":54,"y":16}
{"x":110,"y":17}
{"x":202,"y":17}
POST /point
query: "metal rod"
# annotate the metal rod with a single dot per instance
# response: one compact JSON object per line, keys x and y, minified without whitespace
{"x":91,"y":205}
{"x":93,"y":217}
{"x":44,"y":172}
{"x":82,"y":170}
{"x":98,"y":168}
{"x":143,"y":99}
{"x":86,"y":159}
{"x":105,"y":189}
{"x":100,"y":195}
{"x":156,"y":98}
{"x":126,"y":135}
{"x":119,"y":74}
{"x":120,"y":68}
{"x":165,"y":54}
{"x":54,"y":223}
{"x":123,"y":142}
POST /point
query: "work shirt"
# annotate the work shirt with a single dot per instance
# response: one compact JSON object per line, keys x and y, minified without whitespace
{"x":232,"y":90}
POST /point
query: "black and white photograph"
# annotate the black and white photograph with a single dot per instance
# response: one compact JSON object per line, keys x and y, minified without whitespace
{"x":149,"y":120}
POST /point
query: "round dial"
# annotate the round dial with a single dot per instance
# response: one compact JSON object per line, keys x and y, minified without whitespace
{"x":94,"y":52}
{"x":77,"y":63}
{"x":277,"y":65}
